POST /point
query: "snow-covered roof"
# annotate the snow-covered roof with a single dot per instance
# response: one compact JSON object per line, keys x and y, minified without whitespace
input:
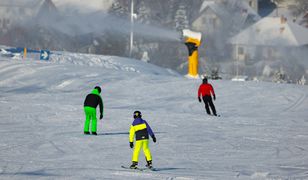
{"x":272,"y":31}
{"x":206,"y":4}
{"x":221,"y":9}
{"x":216,"y":7}
{"x":282,"y":11}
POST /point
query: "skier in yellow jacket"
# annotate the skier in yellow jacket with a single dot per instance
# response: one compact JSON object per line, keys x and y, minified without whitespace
{"x":141,"y":130}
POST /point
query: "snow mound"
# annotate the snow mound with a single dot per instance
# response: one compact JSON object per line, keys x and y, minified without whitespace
{"x":259,"y":175}
{"x":110,"y":62}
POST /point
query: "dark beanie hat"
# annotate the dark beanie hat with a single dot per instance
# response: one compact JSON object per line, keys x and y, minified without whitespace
{"x":98,"y":88}
{"x":204,"y":80}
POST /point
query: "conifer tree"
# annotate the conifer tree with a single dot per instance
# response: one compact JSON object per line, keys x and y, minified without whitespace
{"x":118,"y":10}
{"x":181,"y":19}
{"x":143,"y":13}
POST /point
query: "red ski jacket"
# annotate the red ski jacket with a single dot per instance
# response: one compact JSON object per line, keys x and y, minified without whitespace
{"x":206,"y":90}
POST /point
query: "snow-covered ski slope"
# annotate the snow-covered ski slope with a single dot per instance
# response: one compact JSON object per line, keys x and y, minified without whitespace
{"x":262,"y":132}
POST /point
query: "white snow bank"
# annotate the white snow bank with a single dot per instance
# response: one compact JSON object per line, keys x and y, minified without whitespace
{"x":110,"y":62}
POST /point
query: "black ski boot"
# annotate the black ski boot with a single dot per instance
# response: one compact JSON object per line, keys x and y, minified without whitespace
{"x":86,"y":132}
{"x":149,"y":164}
{"x":94,"y":133}
{"x":134,"y":165}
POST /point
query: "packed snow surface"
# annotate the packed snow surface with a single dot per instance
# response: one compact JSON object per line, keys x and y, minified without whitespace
{"x":262,"y":132}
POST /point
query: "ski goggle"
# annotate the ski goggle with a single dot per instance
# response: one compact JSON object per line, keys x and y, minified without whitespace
{"x":137,"y":114}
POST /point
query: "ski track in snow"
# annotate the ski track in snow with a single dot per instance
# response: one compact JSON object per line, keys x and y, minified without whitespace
{"x":261,"y":134}
{"x":299,"y":102}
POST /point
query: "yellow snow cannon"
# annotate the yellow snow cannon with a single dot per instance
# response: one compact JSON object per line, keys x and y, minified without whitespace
{"x":192,"y":41}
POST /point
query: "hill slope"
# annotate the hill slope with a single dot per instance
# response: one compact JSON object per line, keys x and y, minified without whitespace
{"x":261,"y":134}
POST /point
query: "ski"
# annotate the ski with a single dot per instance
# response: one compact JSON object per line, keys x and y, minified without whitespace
{"x":218,"y":115}
{"x":139,"y":169}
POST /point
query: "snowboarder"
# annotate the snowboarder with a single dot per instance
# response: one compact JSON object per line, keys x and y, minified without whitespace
{"x":206,"y":91}
{"x":92,"y":100}
{"x":141,"y":130}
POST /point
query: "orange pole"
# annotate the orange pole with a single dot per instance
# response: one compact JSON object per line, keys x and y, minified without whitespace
{"x":25,"y":53}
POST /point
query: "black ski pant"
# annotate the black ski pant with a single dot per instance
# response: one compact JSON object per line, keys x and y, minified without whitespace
{"x":209,"y":103}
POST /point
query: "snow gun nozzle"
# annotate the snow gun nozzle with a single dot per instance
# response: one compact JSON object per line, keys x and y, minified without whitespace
{"x":188,"y":34}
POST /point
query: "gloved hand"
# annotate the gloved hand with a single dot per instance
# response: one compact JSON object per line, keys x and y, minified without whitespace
{"x":101,"y":116}
{"x":199,"y":99}
{"x":214,"y":97}
{"x":131,"y":144}
{"x":154,"y":139}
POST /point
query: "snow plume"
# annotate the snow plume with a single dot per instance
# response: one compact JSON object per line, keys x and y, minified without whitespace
{"x":82,"y":6}
{"x":123,"y":26}
{"x":78,"y":23}
{"x":157,"y":32}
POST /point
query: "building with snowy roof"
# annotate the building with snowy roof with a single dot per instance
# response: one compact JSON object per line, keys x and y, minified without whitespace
{"x":218,"y":20}
{"x":269,"y":32}
{"x":272,"y":41}
{"x":303,"y":20}
{"x":233,"y":14}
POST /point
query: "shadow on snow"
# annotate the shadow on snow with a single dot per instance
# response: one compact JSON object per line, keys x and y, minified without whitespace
{"x":31,"y":173}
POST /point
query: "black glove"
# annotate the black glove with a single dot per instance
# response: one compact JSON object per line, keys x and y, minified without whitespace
{"x":154,"y":139}
{"x":199,"y":99}
{"x":214,"y":97}
{"x":131,"y":144}
{"x":101,"y":116}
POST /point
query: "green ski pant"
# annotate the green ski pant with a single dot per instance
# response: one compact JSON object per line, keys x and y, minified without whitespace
{"x":90,"y":113}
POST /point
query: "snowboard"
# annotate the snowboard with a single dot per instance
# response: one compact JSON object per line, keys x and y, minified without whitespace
{"x":218,"y":115}
{"x":139,"y":169}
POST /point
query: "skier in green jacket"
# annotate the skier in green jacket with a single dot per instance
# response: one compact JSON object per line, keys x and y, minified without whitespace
{"x":91,"y":102}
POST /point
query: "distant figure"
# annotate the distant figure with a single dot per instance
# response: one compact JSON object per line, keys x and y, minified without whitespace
{"x":142,"y":130}
{"x":90,"y":104}
{"x":206,"y":91}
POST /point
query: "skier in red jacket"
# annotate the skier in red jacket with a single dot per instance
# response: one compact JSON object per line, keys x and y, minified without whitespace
{"x":206,"y":91}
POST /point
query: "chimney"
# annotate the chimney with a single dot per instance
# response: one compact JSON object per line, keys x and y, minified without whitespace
{"x":281,"y":30}
{"x":283,"y":20}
